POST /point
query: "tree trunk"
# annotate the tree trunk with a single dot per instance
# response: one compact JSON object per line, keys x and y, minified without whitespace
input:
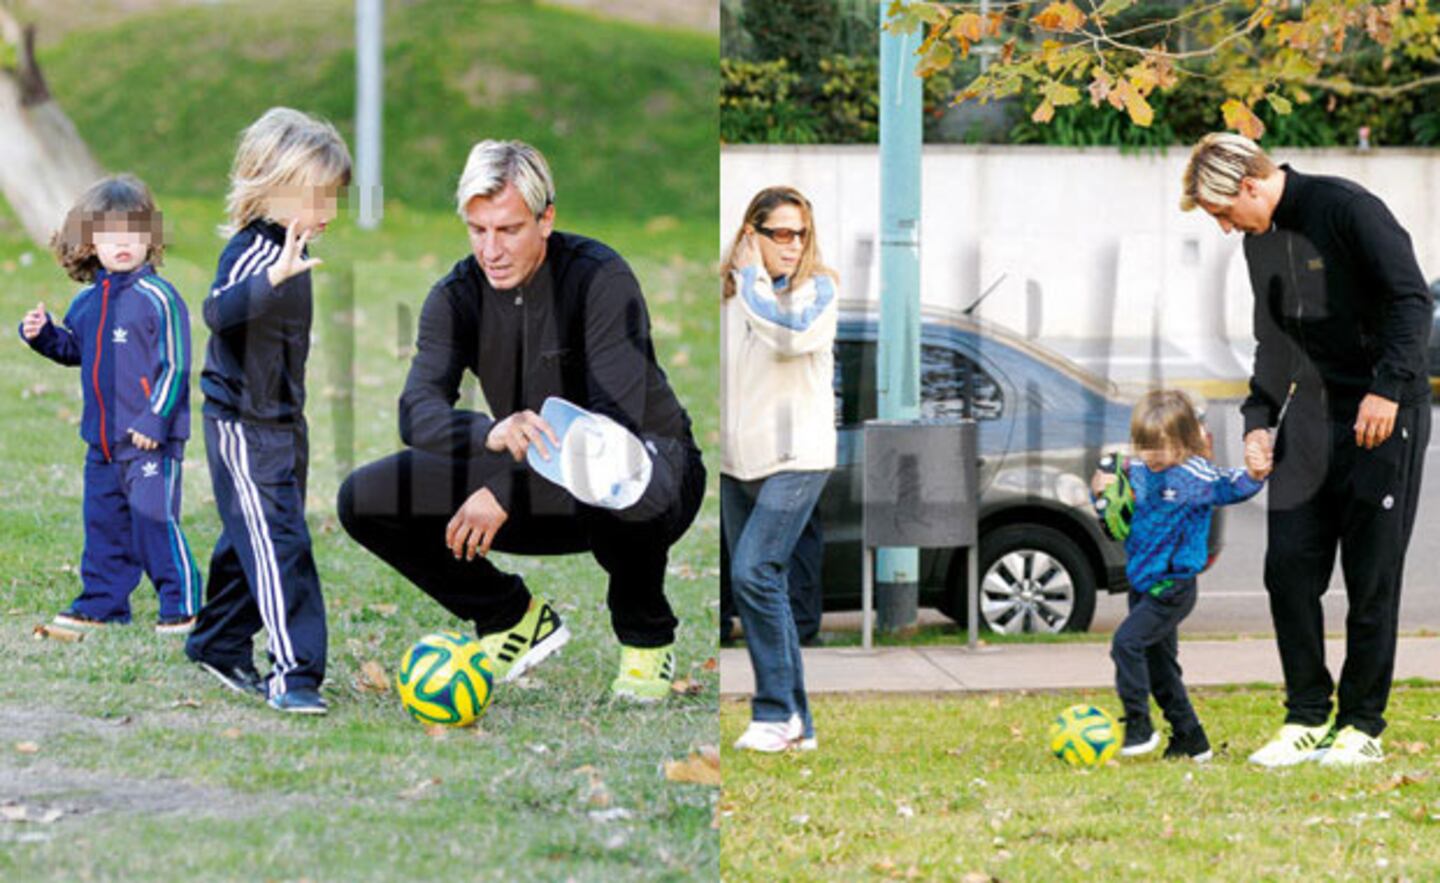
{"x":44,"y":163}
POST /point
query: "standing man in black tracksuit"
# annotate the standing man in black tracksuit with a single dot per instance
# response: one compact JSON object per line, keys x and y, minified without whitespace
{"x":1342,"y":316}
{"x":532,"y":313}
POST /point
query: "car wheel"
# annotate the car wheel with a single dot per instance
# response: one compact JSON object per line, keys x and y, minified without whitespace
{"x":1033,"y":579}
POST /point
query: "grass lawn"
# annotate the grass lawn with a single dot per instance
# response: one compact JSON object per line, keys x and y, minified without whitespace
{"x":118,"y":759}
{"x":964,"y":788}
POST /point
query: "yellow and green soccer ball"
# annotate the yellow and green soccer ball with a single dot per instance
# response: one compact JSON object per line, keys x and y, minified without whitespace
{"x":1084,"y":735}
{"x":445,"y":679}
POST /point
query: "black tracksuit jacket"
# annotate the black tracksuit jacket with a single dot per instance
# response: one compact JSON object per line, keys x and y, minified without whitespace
{"x":1340,"y":302}
{"x":578,"y":329}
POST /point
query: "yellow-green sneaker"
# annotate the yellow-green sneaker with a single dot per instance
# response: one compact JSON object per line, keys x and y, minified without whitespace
{"x":527,"y":643}
{"x":646,"y":673}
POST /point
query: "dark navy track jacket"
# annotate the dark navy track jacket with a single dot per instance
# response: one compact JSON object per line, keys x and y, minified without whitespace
{"x":130,"y":335}
{"x":260,"y":334}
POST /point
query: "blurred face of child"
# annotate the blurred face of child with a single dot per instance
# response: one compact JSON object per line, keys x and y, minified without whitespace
{"x":781,"y":237}
{"x":121,"y":244}
{"x":507,"y":239}
{"x":310,"y":208}
{"x":1161,"y":457}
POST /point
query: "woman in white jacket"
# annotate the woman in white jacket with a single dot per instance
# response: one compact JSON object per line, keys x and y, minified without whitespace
{"x":778,"y":431}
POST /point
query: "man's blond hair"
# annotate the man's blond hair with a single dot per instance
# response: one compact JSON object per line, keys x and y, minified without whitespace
{"x":1217,"y":165}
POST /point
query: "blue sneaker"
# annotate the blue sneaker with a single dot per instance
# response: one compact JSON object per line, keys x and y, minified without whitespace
{"x":301,"y":701}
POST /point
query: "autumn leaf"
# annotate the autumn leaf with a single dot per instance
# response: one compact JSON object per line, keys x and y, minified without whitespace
{"x":687,"y":687}
{"x":700,"y":768}
{"x":937,"y":58}
{"x":1060,"y":16}
{"x":27,"y":748}
{"x":1242,"y":119}
{"x":373,"y":678}
{"x":1044,"y":113}
{"x":967,"y":26}
{"x":710,"y":664}
{"x":1100,"y":87}
{"x":1140,"y":111}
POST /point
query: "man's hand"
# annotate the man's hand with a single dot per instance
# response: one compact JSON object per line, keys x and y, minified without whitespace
{"x":143,"y":442}
{"x":1375,"y":421}
{"x":516,"y":432}
{"x":290,"y":263}
{"x":1259,"y":457}
{"x":475,"y":525}
{"x":1101,"y":480}
{"x":34,"y":321}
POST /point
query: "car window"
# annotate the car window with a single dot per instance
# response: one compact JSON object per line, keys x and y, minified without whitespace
{"x":942,"y":384}
{"x":943,"y":376}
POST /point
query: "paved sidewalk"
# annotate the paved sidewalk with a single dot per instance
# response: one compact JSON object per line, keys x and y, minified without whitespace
{"x":947,"y":669}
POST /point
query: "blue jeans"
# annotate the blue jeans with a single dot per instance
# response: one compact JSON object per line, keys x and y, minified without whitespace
{"x":1146,"y":651}
{"x":763,"y":520}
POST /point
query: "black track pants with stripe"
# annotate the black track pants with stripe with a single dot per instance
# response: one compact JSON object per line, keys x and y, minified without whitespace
{"x":262,"y":573}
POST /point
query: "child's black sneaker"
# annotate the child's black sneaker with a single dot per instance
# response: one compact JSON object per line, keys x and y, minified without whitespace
{"x":300,"y":701}
{"x":243,"y":679}
{"x":77,"y":620}
{"x":1193,"y":745}
{"x":1140,"y":738}
{"x":174,"y":625}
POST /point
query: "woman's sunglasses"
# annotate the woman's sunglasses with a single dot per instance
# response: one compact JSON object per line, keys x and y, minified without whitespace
{"x":781,"y":235}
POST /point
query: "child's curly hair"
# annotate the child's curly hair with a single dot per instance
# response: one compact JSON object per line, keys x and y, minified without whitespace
{"x":118,"y":199}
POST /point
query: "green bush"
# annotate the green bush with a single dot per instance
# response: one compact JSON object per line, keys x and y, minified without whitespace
{"x":768,"y":102}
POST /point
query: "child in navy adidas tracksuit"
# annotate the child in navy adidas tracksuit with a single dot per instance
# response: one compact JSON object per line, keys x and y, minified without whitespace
{"x":130,"y":334}
{"x":285,"y":183}
{"x":1175,"y":488}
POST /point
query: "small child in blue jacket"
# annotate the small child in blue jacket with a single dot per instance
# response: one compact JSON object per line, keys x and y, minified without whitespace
{"x":130,"y":334}
{"x":1175,"y":487}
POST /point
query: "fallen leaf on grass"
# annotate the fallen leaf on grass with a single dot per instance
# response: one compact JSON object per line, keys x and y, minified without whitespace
{"x":373,"y":678}
{"x":383,"y":609}
{"x":687,"y":687}
{"x":27,"y":748}
{"x":700,"y":768}
{"x":710,"y":664}
{"x":232,"y":733}
{"x":419,"y":788}
{"x":1400,"y":780}
{"x":57,"y":633}
{"x":186,"y":702}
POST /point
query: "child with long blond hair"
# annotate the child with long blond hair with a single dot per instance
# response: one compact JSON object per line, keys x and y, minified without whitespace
{"x":285,"y":185}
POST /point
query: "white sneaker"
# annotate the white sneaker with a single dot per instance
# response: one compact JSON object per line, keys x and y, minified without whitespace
{"x":768,"y":737}
{"x":1353,"y":747}
{"x":1295,"y":743}
{"x":798,"y":740}
{"x":1140,"y":748}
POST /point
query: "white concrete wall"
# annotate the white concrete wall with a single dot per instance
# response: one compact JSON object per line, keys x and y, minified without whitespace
{"x":1097,"y":234}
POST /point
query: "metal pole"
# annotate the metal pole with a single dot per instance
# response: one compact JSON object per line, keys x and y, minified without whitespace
{"x":898,"y":355}
{"x":369,"y":99}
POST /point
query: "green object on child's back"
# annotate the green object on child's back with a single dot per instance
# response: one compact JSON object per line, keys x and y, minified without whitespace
{"x":1117,"y":502}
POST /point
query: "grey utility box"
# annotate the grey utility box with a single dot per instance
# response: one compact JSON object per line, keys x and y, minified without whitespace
{"x":920,"y":489}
